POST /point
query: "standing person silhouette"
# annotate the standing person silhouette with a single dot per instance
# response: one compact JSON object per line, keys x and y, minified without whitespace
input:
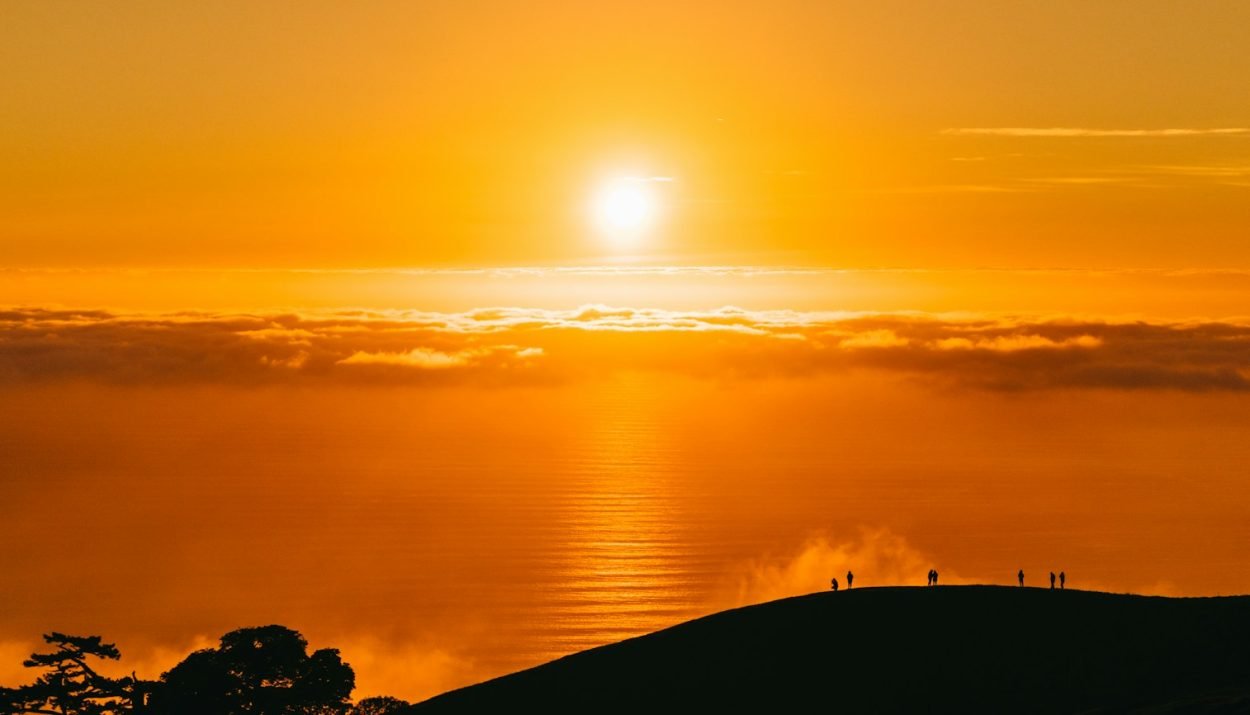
{"x":833,"y":584}
{"x":1052,"y":580}
{"x":1062,"y":577}
{"x":934,"y":577}
{"x":1020,"y":577}
{"x":850,"y":580}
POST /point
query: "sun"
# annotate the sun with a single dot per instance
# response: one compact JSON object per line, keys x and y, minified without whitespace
{"x":623,"y":209}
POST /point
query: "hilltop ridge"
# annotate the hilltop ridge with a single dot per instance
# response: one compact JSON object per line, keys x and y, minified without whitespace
{"x":908,"y":649}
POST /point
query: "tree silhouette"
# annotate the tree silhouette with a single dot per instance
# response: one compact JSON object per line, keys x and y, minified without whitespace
{"x":383,"y":705}
{"x":257,"y":671}
{"x":71,"y":686}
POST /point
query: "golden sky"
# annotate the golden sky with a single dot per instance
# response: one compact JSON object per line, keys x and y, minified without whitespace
{"x":463,"y":335}
{"x":905,"y":134}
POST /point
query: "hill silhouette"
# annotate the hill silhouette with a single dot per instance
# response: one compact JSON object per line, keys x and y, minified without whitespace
{"x":903,"y":649}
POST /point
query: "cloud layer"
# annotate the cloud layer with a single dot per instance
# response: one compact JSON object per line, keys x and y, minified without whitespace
{"x":1063,"y":132}
{"x":503,"y":346}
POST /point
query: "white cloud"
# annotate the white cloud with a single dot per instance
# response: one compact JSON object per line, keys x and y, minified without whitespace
{"x":878,"y":557}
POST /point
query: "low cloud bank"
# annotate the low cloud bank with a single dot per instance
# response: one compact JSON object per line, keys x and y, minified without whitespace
{"x":510,"y":346}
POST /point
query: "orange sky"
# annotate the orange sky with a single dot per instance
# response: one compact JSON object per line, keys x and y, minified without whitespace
{"x":471,"y":133}
{"x":306,"y":317}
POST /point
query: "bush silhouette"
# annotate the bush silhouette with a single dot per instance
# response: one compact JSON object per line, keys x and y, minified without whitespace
{"x":383,"y":705}
{"x":255,"y":671}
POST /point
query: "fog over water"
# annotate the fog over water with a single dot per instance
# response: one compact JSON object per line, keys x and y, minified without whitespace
{"x":449,"y":496}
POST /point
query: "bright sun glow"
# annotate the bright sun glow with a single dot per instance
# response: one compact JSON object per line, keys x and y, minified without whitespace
{"x":624,"y":208}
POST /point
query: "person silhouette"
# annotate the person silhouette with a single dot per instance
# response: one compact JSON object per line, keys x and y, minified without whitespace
{"x":930,"y":581}
{"x":935,"y":577}
{"x":850,"y":579}
{"x":833,"y":584}
{"x":1062,"y":577}
{"x":1020,"y":576}
{"x":1052,"y":580}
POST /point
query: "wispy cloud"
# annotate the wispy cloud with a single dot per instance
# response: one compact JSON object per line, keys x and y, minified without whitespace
{"x":507,"y":346}
{"x":610,"y":270}
{"x":1082,"y":180}
{"x":1200,"y":171}
{"x":963,"y":189}
{"x":1087,"y":132}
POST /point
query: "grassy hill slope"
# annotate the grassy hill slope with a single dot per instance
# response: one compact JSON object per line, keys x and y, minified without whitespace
{"x":943,"y":649}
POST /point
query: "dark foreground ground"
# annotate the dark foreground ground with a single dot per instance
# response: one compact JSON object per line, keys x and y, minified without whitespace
{"x":906,"y":650}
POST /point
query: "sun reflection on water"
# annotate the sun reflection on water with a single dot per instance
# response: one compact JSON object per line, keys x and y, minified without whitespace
{"x":623,"y":569}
